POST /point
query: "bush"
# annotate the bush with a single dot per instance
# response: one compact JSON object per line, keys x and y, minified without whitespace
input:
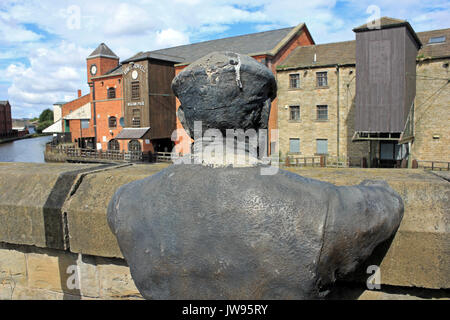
{"x":43,"y":125}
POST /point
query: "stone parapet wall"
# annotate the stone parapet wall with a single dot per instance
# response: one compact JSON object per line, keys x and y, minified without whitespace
{"x":53,"y":222}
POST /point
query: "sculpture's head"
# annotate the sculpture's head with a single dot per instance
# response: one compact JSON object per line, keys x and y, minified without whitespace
{"x":225,"y":90}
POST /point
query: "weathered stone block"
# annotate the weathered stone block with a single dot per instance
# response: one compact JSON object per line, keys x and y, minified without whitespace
{"x":31,"y":197}
{"x":86,"y":210}
{"x":13,"y":269}
{"x":50,"y":271}
{"x":115,"y":280}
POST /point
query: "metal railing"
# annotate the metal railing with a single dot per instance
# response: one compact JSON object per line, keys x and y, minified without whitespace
{"x":434,"y":165}
{"x":322,"y":161}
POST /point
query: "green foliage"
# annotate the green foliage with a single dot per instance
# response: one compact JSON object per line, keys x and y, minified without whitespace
{"x":43,"y":125}
{"x":46,"y":115}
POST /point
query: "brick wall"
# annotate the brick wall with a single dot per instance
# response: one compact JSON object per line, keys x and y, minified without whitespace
{"x":5,"y":119}
{"x":106,"y":108}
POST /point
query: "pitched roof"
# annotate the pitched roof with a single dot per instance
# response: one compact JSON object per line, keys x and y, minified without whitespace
{"x":132,"y":133}
{"x":343,"y":53}
{"x":4,"y":102}
{"x":103,"y":51}
{"x":268,"y":42}
{"x":326,"y":54}
{"x":435,"y":50}
{"x":386,"y":23}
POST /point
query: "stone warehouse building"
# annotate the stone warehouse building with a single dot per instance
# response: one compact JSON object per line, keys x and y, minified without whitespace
{"x":5,"y":119}
{"x":318,"y":109}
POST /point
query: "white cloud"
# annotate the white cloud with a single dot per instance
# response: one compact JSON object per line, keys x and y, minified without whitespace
{"x":56,"y":65}
{"x":171,"y":38}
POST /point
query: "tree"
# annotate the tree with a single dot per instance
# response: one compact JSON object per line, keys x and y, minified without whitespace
{"x":43,"y":125}
{"x":46,"y":115}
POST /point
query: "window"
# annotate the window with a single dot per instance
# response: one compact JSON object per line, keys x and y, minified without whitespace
{"x":112,"y":121}
{"x":113,"y":145}
{"x":136,"y":120}
{"x":436,"y":40}
{"x":322,"y":79}
{"x":135,"y":90}
{"x":84,"y":124}
{"x":322,"y":146}
{"x":111,"y":93}
{"x":294,"y":145}
{"x":322,"y":112}
{"x":134,"y":145}
{"x":294,"y":80}
{"x":294,"y":113}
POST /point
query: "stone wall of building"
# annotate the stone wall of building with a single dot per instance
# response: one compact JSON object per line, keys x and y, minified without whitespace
{"x":341,"y":87}
{"x":55,"y":242}
{"x":432,"y":111}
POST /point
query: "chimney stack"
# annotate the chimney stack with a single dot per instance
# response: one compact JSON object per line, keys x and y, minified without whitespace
{"x":79,"y":93}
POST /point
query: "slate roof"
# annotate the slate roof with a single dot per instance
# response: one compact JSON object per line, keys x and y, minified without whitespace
{"x":132,"y":133}
{"x":343,"y":53}
{"x":103,"y":51}
{"x":326,"y":54}
{"x":255,"y":43}
{"x":435,"y":50}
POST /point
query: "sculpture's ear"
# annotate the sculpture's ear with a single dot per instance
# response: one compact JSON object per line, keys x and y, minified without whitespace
{"x":181,"y":117}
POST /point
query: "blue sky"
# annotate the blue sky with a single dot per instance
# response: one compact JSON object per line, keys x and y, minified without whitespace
{"x":44,"y":44}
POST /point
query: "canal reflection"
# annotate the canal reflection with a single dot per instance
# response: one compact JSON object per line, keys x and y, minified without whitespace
{"x":25,"y":150}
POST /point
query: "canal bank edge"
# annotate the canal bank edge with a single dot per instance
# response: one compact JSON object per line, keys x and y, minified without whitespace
{"x":53,"y":216}
{"x":28,"y":136}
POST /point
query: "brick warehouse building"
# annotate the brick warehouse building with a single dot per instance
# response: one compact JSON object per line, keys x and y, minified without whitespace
{"x":131,"y":109}
{"x":316,"y":83}
{"x":5,"y":119}
{"x":269,"y":48}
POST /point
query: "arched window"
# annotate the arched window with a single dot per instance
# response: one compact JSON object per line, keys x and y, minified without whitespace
{"x":134,"y":145}
{"x":113,"y":144}
{"x":112,"y":122}
{"x":111,"y":93}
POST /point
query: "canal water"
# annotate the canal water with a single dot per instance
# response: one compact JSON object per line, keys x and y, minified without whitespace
{"x":25,"y":150}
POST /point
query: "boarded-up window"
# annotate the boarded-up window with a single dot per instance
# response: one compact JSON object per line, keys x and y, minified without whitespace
{"x":294,"y":145}
{"x":322,"y":79}
{"x":136,"y":120}
{"x":322,"y":112}
{"x":294,"y":80}
{"x":84,"y":124}
{"x":294,"y":113}
{"x":135,"y":90}
{"x":111,"y":93}
{"x":322,"y":146}
{"x":112,"y":122}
